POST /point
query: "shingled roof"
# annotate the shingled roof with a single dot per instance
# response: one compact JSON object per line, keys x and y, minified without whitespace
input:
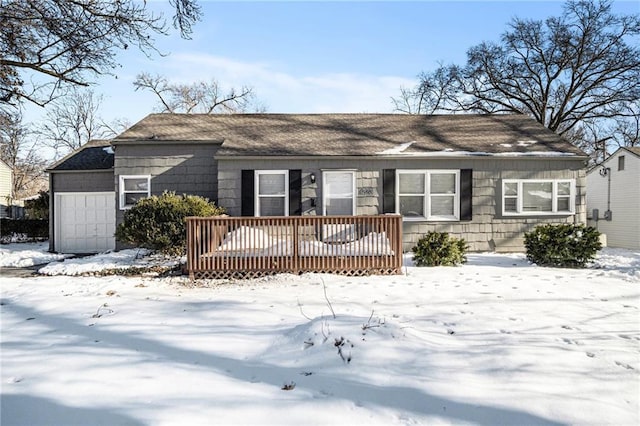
{"x":634,"y":149}
{"x":354,"y":134}
{"x":96,"y":154}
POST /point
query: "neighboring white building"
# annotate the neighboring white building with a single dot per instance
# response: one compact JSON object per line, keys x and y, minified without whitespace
{"x":6,"y":179}
{"x":613,"y":188}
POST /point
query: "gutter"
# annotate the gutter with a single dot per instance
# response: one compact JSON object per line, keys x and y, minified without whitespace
{"x":240,"y":157}
{"x":116,"y":142}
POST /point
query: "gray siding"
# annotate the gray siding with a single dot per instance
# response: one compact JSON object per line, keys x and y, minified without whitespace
{"x":85,"y":181}
{"x":487,"y":231}
{"x":368,"y":182}
{"x":182,"y":168}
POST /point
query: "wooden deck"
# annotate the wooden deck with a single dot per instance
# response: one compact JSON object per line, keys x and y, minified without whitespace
{"x":247,"y":247}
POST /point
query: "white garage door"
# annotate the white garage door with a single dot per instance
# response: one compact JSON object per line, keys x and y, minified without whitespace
{"x":85,"y":222}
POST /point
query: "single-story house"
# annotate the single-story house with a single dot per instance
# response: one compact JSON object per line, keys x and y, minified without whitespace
{"x":486,"y":178}
{"x":613,"y":198}
{"x":6,"y":192}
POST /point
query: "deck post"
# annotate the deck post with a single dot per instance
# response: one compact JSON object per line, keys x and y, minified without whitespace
{"x":296,"y":248}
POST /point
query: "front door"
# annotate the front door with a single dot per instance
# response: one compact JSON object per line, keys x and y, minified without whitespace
{"x":338,"y":193}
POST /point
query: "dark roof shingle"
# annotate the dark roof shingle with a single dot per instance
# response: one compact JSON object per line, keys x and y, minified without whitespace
{"x":94,"y":155}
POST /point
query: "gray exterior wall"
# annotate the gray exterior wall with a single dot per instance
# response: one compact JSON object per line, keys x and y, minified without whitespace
{"x":367,"y":176}
{"x":181,"y":167}
{"x":75,"y":181}
{"x":81,"y":181}
{"x":487,"y":231}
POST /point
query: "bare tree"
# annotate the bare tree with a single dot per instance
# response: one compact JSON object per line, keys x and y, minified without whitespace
{"x":48,"y":44}
{"x":627,"y":127}
{"x":21,"y":152}
{"x":579,"y":69}
{"x":430,"y":96}
{"x":115,"y":127}
{"x":188,"y":12}
{"x":73,"y":120}
{"x":200,"y":97}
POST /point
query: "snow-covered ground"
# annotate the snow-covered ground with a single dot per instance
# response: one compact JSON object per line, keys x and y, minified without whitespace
{"x":21,"y":255}
{"x":496,"y":341}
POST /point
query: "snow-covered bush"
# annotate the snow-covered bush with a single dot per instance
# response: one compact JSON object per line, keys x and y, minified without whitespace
{"x":562,"y":245}
{"x":158,"y":222}
{"x":439,"y":249}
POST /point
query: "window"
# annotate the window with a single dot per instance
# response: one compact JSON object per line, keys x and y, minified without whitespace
{"x":621,"y":163}
{"x":338,"y":191}
{"x":537,"y":197}
{"x":272,"y":192}
{"x":132,"y":189}
{"x":430,"y":194}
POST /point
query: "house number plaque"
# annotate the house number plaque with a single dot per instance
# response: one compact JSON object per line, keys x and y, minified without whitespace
{"x":365,"y":192}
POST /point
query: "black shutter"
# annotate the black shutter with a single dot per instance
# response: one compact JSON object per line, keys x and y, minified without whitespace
{"x":466,"y":194}
{"x":247,"y":196}
{"x":389,"y":191}
{"x":295,"y":192}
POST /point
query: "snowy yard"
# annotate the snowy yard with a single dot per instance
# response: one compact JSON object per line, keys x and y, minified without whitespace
{"x":496,"y":341}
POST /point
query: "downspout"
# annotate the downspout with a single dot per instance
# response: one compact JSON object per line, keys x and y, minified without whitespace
{"x":607,"y":214}
{"x":606,"y":171}
{"x":52,"y":238}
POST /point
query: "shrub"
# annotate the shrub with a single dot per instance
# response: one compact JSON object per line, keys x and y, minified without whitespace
{"x":158,"y":222}
{"x":23,"y":230}
{"x":439,"y":249}
{"x":38,"y":208}
{"x":563,"y":245}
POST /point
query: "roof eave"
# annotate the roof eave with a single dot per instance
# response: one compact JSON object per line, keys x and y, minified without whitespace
{"x":166,"y":141}
{"x":630,"y":151}
{"x":564,"y":156}
{"x":78,"y":170}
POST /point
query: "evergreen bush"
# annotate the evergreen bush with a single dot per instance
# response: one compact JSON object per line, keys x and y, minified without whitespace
{"x":38,"y":208}
{"x":562,"y":245}
{"x":158,"y":222}
{"x":23,"y":230}
{"x":439,"y":249}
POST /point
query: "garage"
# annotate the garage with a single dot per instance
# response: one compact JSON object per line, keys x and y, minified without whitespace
{"x":85,"y":222}
{"x":82,"y":209}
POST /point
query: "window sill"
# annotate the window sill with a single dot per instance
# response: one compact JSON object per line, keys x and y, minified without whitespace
{"x":424,"y":219}
{"x":538,"y":214}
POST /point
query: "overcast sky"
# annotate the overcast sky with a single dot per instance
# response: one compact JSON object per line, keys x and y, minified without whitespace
{"x":315,"y":56}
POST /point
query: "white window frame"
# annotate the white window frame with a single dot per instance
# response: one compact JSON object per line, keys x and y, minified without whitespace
{"x":554,"y":197}
{"x":353,"y":185}
{"x":122,"y":193}
{"x":427,"y":195}
{"x":257,"y":189}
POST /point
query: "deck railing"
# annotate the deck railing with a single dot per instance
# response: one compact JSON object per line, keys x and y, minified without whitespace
{"x":225,"y":247}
